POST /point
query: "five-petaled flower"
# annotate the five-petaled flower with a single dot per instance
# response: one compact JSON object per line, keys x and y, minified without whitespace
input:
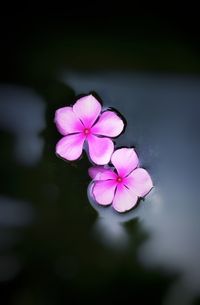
{"x":85,"y":122}
{"x":122,"y":185}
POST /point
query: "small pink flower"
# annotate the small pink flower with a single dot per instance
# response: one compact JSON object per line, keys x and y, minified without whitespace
{"x":123,"y":185}
{"x":85,"y":122}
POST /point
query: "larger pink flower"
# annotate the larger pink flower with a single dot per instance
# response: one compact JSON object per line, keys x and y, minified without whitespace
{"x":123,"y":185}
{"x":85,"y":122}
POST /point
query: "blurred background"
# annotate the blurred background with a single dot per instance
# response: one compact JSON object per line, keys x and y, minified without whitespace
{"x":56,"y":245}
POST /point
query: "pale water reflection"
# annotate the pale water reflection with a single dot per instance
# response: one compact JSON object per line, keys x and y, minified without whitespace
{"x":162,"y":113}
{"x":23,"y":115}
{"x":14,"y":215}
{"x":22,"y":118}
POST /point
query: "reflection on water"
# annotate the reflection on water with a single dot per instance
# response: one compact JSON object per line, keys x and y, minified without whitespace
{"x":111,"y":233}
{"x":22,"y":115}
{"x":14,"y":214}
{"x":163,"y":124}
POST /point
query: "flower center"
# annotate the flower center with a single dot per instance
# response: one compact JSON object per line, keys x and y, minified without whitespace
{"x":86,"y":131}
{"x":119,"y":179}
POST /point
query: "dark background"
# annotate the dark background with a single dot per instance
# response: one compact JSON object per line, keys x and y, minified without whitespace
{"x":49,"y":253}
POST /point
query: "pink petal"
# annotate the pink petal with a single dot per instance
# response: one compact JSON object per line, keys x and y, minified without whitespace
{"x":139,"y":181}
{"x":101,"y":173}
{"x":67,"y":122}
{"x":95,"y":170}
{"x":125,"y":160}
{"x":124,"y":200}
{"x":100,"y":149}
{"x":70,"y":147}
{"x":87,"y":110}
{"x":109,"y":125}
{"x":103,"y":191}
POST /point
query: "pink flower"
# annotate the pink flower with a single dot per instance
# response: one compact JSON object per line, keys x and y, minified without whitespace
{"x":85,"y":122}
{"x":123,"y":185}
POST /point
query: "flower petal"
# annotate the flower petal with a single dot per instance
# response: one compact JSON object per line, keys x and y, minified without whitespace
{"x":70,"y":147}
{"x":139,"y":181}
{"x":103,"y":191}
{"x":124,"y":200}
{"x":109,"y":124}
{"x":101,"y":173}
{"x":87,"y":109}
{"x":67,"y":122}
{"x":100,"y":149}
{"x":125,"y":160}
